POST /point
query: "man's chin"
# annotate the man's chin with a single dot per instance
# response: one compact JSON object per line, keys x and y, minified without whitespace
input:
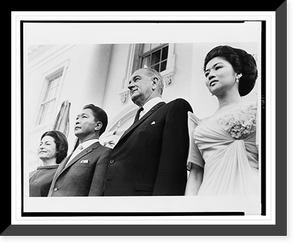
{"x":135,"y":99}
{"x":77,"y":132}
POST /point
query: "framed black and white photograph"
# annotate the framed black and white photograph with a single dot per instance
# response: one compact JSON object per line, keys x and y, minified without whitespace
{"x":165,"y":123}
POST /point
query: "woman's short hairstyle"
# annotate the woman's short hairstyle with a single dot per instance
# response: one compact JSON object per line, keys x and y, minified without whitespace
{"x":242,"y":63}
{"x":61,"y":144}
{"x":99,"y":115}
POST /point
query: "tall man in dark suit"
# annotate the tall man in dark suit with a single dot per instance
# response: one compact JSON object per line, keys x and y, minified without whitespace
{"x":150,"y":157}
{"x":82,"y":173}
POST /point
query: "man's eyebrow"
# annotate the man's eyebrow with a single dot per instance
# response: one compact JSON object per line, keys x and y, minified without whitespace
{"x":134,"y":78}
{"x":81,"y":114}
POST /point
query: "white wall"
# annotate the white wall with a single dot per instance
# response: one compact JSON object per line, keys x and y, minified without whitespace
{"x":115,"y":80}
{"x":181,"y":79}
{"x":84,"y":82}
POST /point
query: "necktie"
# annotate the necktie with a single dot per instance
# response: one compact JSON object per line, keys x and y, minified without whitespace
{"x":79,"y":148}
{"x":75,"y":152}
{"x":137,"y":116}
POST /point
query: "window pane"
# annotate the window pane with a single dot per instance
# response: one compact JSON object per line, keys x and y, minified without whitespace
{"x":165,"y":53}
{"x":163,"y":66}
{"x":52,"y":93}
{"x":155,"y":57}
{"x":47,"y":92}
{"x":154,"y":45}
{"x":46,"y":111}
{"x":146,"y":61}
{"x":52,"y":88}
{"x":43,"y":112}
{"x":51,"y":106}
{"x":41,"y":120}
{"x":156,"y":67}
{"x":55,"y":82}
{"x":45,"y":108}
{"x":146,"y":47}
{"x":47,"y":105}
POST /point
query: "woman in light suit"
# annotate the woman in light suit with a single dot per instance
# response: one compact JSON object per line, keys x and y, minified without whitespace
{"x":52,"y":150}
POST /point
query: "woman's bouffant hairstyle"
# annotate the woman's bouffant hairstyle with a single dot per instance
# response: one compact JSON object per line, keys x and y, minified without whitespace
{"x":242,"y":63}
{"x":61,"y":144}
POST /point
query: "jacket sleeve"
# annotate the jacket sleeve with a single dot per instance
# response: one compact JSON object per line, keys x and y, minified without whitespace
{"x":172,"y":172}
{"x":97,"y":182}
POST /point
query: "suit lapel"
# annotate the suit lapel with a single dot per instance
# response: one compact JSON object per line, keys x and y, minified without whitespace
{"x":80,"y":155}
{"x":61,"y":167}
{"x":148,"y":114}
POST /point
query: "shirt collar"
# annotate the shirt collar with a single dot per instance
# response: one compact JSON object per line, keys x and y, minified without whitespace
{"x":149,"y":104}
{"x":88,"y":143}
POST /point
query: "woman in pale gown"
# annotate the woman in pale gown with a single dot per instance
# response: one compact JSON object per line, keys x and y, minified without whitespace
{"x":228,"y":160}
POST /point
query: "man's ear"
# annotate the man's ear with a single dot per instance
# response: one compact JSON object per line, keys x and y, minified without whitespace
{"x":98,"y":126}
{"x":154,"y":82}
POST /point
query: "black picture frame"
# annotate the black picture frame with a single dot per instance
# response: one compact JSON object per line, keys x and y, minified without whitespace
{"x":278,"y":229}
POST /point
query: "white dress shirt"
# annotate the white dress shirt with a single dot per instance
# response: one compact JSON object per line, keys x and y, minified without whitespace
{"x":82,"y":146}
{"x":148,"y":105}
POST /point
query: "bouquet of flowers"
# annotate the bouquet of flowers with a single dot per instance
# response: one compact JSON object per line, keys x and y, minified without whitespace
{"x":240,"y":123}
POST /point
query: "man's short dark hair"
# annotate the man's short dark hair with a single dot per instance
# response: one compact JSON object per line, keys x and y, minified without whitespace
{"x":99,"y":115}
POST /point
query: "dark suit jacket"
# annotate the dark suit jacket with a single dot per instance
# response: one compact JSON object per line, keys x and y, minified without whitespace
{"x":150,"y":157}
{"x":84,"y":175}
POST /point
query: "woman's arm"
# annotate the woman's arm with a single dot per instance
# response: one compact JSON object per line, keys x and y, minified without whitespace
{"x":194,"y":181}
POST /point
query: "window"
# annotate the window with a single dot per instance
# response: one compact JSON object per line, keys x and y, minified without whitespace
{"x":154,"y":55}
{"x":48,"y":102}
{"x":159,"y":56}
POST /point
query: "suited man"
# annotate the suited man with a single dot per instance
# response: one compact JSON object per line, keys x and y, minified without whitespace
{"x":82,"y":173}
{"x":150,"y":157}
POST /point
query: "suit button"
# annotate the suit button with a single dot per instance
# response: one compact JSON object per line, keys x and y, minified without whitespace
{"x":55,"y":189}
{"x":111,"y":161}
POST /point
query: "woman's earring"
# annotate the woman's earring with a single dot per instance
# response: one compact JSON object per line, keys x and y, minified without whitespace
{"x":237,"y":79}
